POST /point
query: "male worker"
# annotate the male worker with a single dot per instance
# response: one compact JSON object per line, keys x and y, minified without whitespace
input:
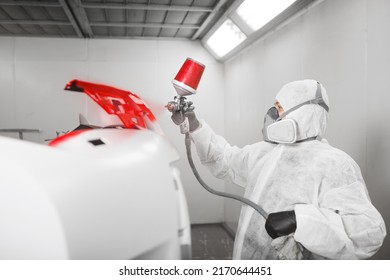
{"x":317,"y":201}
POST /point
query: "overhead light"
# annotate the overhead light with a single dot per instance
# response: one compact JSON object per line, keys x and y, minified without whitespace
{"x":257,"y":13}
{"x":225,"y":38}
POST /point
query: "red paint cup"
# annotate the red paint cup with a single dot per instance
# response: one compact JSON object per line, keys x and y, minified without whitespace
{"x":187,"y":79}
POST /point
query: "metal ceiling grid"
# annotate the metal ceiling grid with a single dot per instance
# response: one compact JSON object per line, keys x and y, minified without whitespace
{"x":177,"y":19}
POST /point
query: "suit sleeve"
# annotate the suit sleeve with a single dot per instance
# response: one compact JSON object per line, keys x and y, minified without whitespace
{"x":223,"y":160}
{"x":345,"y":225}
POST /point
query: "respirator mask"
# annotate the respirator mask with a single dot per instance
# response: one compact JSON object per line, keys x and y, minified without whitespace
{"x":279,"y":130}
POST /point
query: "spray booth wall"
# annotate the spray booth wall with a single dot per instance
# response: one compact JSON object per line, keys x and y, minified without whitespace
{"x":34,"y":71}
{"x":344,"y":45}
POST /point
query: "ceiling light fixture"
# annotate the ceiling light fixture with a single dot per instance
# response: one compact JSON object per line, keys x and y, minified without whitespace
{"x":257,"y":13}
{"x":225,"y":38}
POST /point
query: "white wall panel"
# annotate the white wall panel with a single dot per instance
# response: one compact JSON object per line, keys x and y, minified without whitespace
{"x":378,"y":98}
{"x":170,"y":50}
{"x":38,"y":49}
{"x":134,"y":76}
{"x":7,"y":102}
{"x":40,"y":101}
{"x":334,"y":53}
{"x":130,"y":51}
{"x":282,"y":57}
{"x":233,"y":130}
{"x":42,"y":69}
{"x":7,"y":97}
{"x":7,"y":49}
{"x":252,"y":104}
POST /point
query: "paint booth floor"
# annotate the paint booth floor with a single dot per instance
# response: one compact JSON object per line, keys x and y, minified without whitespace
{"x":211,"y":242}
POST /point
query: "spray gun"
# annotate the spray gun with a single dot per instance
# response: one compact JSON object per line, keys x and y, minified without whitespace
{"x":186,"y":83}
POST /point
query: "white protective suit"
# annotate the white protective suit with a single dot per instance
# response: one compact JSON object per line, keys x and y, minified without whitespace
{"x":335,"y":217}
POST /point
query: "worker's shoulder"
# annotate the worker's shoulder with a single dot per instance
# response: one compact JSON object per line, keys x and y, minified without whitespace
{"x":328,"y":149}
{"x":261,"y":146}
{"x":338,"y":157}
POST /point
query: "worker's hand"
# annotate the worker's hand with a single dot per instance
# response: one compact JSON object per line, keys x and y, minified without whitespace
{"x":281,"y":223}
{"x":178,"y":117}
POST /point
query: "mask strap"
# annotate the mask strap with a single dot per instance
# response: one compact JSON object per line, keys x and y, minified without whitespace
{"x":307,"y":139}
{"x":317,"y":100}
{"x":321,"y":101}
{"x":298,"y":141}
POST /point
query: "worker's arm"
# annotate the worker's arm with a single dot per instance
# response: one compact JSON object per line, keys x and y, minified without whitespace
{"x":345,"y":225}
{"x":223,"y":160}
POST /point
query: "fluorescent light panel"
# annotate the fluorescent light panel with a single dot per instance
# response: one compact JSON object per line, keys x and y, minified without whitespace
{"x":257,"y":13}
{"x":225,"y":38}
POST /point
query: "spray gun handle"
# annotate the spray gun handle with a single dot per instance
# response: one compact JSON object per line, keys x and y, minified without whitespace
{"x":187,"y":106}
{"x":185,"y":126}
